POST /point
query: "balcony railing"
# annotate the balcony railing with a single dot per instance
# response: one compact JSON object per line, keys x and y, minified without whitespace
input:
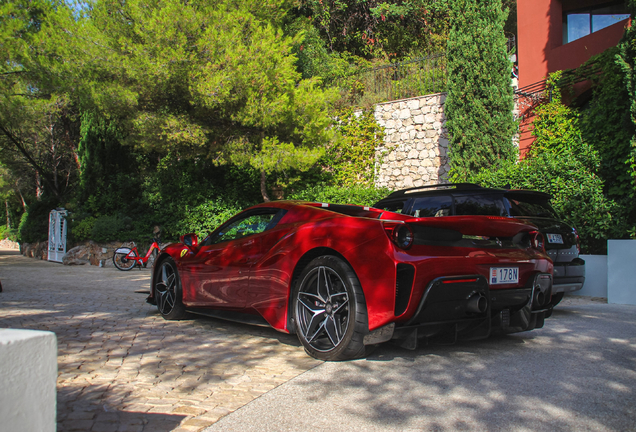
{"x":395,"y":81}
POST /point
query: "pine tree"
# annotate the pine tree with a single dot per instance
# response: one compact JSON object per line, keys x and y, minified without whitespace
{"x":479,"y":105}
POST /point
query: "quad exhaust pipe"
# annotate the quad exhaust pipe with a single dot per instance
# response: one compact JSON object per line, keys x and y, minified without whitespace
{"x":477,"y":303}
{"x":542,"y":291}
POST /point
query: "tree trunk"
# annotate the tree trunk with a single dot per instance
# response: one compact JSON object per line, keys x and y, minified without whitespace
{"x":264,"y":186}
{"x":24,"y":204}
{"x":6,"y":204}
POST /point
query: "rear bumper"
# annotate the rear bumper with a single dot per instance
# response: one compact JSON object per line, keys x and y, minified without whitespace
{"x":465,"y":308}
{"x":569,"y":276}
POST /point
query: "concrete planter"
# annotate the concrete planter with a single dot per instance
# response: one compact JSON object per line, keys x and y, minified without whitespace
{"x":621,"y":262}
{"x":595,"y":276}
{"x":612,"y":275}
{"x":28,"y":375}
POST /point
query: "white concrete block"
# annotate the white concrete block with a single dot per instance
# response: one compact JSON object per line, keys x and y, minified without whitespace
{"x":28,"y":375}
{"x":595,"y":276}
{"x":621,"y":261}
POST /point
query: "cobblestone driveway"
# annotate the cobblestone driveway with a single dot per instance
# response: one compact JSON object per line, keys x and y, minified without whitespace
{"x":121,"y":367}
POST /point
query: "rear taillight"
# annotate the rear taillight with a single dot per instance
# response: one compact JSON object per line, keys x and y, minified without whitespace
{"x":400,"y":234}
{"x":537,"y":241}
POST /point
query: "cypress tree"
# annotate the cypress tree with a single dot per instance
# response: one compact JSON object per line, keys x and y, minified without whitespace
{"x":479,"y":104}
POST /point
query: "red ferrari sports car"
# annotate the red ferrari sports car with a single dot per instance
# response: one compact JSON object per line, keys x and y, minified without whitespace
{"x":345,"y":278}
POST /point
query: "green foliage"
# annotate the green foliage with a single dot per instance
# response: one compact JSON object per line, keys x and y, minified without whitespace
{"x":358,"y":194}
{"x":82,"y":229}
{"x":109,"y":173}
{"x":480,"y":97}
{"x":375,"y":28}
{"x":606,"y":125}
{"x":557,"y":130}
{"x":205,"y":217}
{"x":34,"y":223}
{"x":626,"y":60}
{"x":106,"y":228}
{"x":8,"y":233}
{"x":351,"y":159}
{"x":220,"y":81}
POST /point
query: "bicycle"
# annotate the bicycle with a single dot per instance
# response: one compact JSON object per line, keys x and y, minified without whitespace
{"x":125,"y":258}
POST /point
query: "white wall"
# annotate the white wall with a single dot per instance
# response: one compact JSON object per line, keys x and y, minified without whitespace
{"x":28,"y":375}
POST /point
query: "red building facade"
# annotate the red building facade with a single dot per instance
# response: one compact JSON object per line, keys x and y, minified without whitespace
{"x":556,"y":35}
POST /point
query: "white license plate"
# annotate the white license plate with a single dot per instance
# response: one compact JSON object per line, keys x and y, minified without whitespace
{"x":555,"y":238}
{"x":504,"y":275}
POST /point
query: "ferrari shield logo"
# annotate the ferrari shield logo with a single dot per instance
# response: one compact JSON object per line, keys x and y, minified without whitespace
{"x":183,"y":252}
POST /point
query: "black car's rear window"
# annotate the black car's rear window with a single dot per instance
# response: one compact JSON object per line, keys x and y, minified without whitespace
{"x":485,"y":205}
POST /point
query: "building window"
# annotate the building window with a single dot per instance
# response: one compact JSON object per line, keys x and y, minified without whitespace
{"x":582,"y":22}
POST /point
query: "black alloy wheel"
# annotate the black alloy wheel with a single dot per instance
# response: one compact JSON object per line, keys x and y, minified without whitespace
{"x":330,"y":311}
{"x":168,"y":291}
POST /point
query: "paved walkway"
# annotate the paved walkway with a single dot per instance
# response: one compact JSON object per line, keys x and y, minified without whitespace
{"x":121,"y":367}
{"x":576,"y":374}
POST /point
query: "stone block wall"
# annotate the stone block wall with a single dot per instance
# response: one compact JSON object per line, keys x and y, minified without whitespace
{"x":415,"y":149}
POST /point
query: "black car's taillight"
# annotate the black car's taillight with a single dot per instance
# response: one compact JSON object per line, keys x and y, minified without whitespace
{"x":537,"y":241}
{"x":578,"y":240}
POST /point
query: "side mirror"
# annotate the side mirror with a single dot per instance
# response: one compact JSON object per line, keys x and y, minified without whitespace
{"x":191,"y":240}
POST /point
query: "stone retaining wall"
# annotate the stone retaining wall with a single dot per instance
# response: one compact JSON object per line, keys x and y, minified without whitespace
{"x":97,"y":254}
{"x":9,"y":244}
{"x":415,"y":150}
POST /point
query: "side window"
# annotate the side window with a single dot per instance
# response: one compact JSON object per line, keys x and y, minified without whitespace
{"x":481,"y":205}
{"x":248,"y":225}
{"x":433,"y":206}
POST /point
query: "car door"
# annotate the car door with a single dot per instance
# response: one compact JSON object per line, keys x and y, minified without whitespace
{"x":219,"y":272}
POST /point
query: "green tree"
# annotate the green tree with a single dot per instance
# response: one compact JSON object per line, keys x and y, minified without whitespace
{"x":36,"y":122}
{"x":219,"y":81}
{"x":375,"y":28}
{"x":480,"y":97}
{"x":109,"y":173}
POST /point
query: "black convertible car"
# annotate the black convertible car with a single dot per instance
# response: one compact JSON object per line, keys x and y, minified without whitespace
{"x":458,"y":199}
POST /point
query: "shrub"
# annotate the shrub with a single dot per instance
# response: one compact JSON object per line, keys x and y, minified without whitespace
{"x":34,"y":224}
{"x":110,"y":228}
{"x":8,"y":233}
{"x":82,"y":229}
{"x":204,"y":218}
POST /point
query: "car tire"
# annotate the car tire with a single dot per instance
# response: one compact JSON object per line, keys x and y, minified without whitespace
{"x":556,"y":299}
{"x":330,"y":311}
{"x":167,"y":291}
{"x":122,"y":263}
